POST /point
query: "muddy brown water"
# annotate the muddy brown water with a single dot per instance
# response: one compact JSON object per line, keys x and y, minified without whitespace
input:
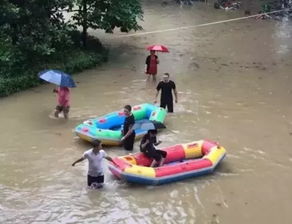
{"x":234,"y":83}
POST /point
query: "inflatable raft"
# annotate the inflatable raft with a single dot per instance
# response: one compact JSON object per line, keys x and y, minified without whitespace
{"x":182,"y":161}
{"x":108,"y":128}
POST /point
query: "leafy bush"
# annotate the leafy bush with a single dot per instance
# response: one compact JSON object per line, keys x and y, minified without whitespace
{"x":17,"y":83}
{"x":71,"y":61}
{"x":34,"y":35}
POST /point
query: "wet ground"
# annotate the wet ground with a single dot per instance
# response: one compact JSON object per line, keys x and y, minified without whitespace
{"x":234,"y":86}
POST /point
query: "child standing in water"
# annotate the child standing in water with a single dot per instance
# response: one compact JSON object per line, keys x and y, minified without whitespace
{"x":95,"y":156}
{"x":151,"y":64}
{"x":63,"y":98}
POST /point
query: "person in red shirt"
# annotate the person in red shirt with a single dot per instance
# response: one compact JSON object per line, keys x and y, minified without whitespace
{"x":63,"y":98}
{"x":151,"y":64}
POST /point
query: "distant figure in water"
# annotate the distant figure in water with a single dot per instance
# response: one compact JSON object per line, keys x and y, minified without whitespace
{"x":266,"y":8}
{"x":63,"y":98}
{"x":151,"y":64}
{"x":166,"y":87}
{"x":95,"y":156}
{"x":284,"y":4}
{"x":147,"y":146}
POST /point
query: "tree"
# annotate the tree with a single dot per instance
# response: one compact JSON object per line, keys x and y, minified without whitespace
{"x":35,"y":27}
{"x":107,"y":15}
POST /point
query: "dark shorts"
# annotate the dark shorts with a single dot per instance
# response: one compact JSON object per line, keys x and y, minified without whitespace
{"x":129,"y":142}
{"x":168,"y":104}
{"x":156,"y":154}
{"x":63,"y":108}
{"x":91,"y":180}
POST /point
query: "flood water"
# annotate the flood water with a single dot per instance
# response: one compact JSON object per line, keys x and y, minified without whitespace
{"x":234,"y":83}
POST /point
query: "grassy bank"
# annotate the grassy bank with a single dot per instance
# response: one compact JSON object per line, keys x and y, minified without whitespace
{"x":72,"y":60}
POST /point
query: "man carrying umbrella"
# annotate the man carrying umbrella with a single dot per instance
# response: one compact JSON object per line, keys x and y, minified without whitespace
{"x":166,"y":86}
{"x":64,"y":81}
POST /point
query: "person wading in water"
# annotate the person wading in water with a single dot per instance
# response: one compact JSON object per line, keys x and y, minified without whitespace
{"x":95,"y":156}
{"x":151,"y":65}
{"x":128,"y":131}
{"x":166,"y":86}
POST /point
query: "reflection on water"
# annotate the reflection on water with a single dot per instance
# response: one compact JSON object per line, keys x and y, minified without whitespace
{"x":234,"y":87}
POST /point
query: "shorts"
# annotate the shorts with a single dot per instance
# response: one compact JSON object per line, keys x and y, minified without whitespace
{"x":129,"y":142}
{"x":65,"y":109}
{"x":91,"y":180}
{"x":156,"y":154}
{"x":168,"y":104}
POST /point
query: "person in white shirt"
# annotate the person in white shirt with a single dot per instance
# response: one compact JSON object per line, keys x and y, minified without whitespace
{"x":95,"y":156}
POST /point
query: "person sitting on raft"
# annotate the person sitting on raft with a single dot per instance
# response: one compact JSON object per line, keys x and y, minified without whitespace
{"x":147,"y":146}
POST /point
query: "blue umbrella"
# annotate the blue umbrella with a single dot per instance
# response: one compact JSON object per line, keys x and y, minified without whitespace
{"x":57,"y":77}
{"x":148,"y":125}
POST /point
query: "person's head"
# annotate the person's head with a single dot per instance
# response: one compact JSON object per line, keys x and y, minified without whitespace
{"x":152,"y":132}
{"x":152,"y":52}
{"x":127,"y":110}
{"x":96,"y":145}
{"x":166,"y":77}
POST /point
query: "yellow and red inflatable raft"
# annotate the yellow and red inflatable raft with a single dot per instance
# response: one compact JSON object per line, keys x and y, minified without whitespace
{"x":182,"y":161}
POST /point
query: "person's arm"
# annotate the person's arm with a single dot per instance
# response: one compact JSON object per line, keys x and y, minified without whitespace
{"x":156,"y":95}
{"x":130,"y":131}
{"x":156,"y":142}
{"x":157,"y":60}
{"x":78,"y":161}
{"x":109,"y":159}
{"x":175,"y":93}
{"x":147,"y":62}
{"x":158,"y":88}
{"x":143,"y":145}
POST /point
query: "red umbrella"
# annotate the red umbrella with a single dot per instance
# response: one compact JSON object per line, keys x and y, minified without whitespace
{"x":160,"y":48}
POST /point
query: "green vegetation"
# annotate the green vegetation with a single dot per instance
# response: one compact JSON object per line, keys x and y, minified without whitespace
{"x":35,"y":36}
{"x":107,"y":15}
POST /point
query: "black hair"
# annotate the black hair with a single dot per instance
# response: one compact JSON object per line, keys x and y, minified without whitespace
{"x":128,"y":107}
{"x":152,"y":131}
{"x":167,"y":74}
{"x":96,"y":142}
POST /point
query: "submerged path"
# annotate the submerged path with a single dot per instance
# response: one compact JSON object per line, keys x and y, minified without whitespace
{"x":199,"y":25}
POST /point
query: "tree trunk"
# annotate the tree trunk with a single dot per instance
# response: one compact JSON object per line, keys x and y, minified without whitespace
{"x":15,"y":34}
{"x":84,"y":35}
{"x":84,"y":23}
